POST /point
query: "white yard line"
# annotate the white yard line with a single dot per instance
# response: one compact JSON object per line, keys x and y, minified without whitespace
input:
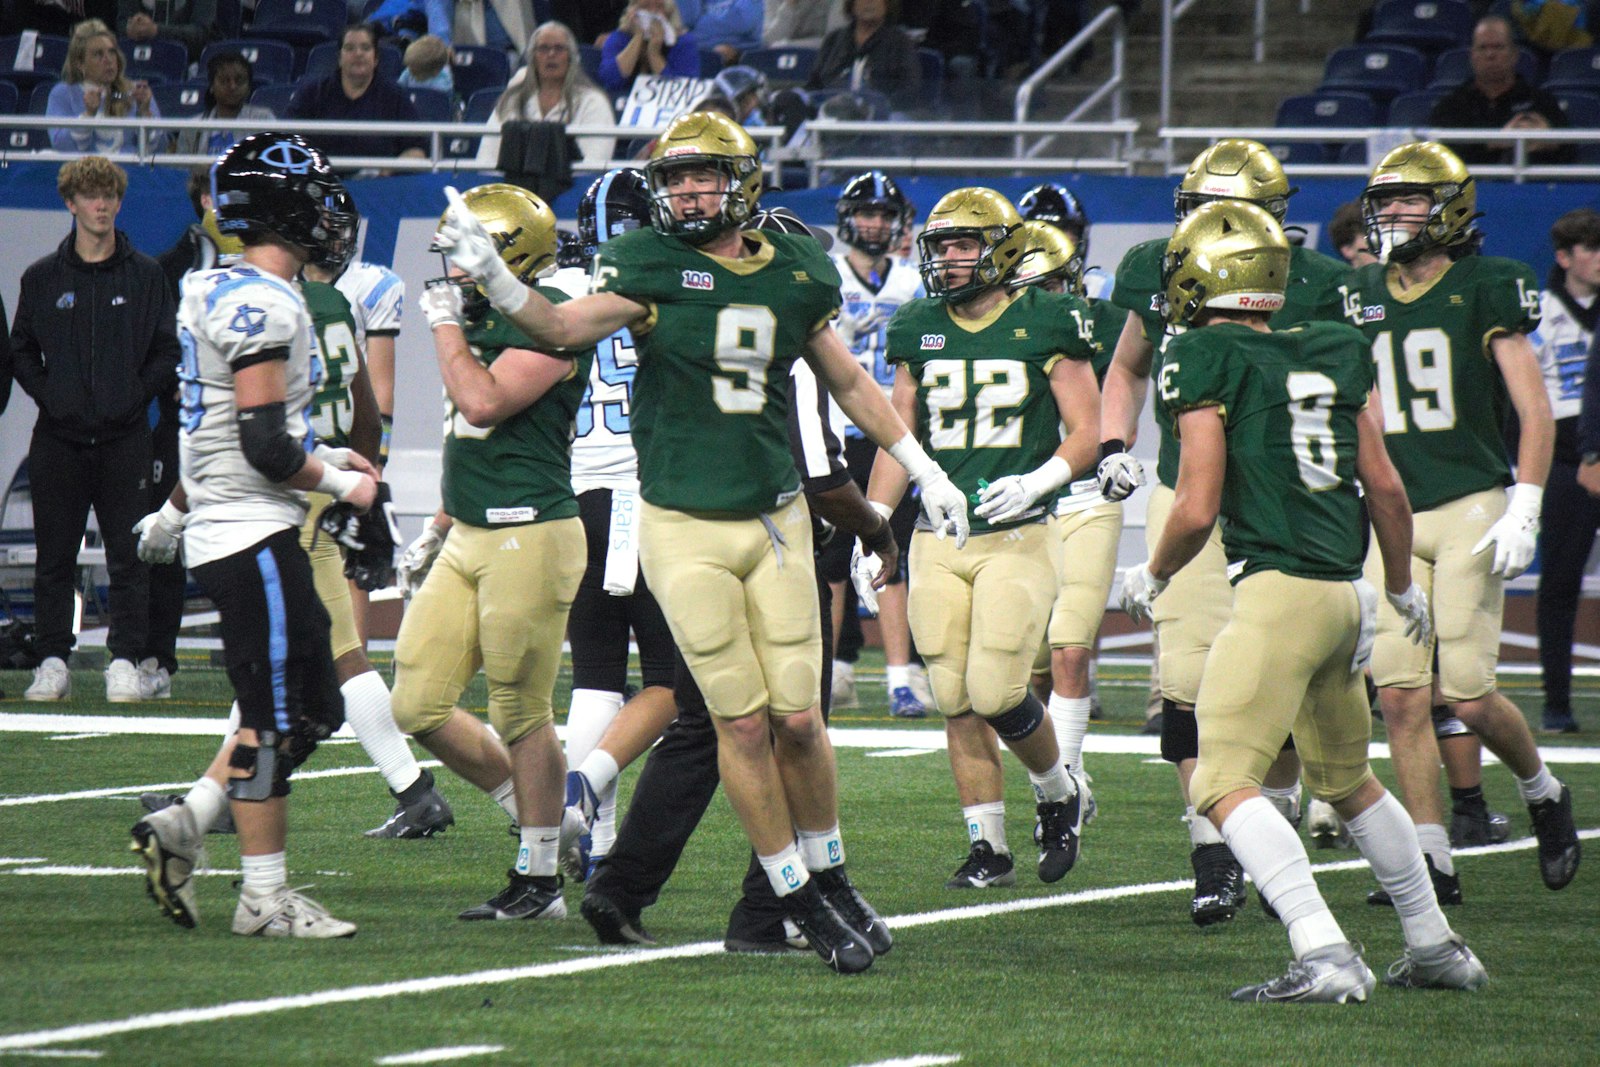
{"x":914,"y":1061}
{"x":628,"y":958}
{"x":440,"y":1055}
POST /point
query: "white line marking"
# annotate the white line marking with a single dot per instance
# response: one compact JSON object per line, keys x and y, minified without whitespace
{"x":7,"y":860}
{"x":77,"y":737}
{"x":102,"y":872}
{"x":914,"y":1061}
{"x":56,"y":1053}
{"x":354,"y":994}
{"x":895,"y":753}
{"x":439,"y":1055}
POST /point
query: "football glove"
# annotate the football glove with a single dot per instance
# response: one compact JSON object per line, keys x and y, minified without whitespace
{"x":1413,"y":608}
{"x":1009,"y":499}
{"x":417,"y":559}
{"x":160,"y":534}
{"x":368,"y":539}
{"x":441,"y":305}
{"x":1515,"y":534}
{"x":1139,"y":591}
{"x":468,"y":246}
{"x":864,"y":570}
{"x":853,"y":329}
{"x":1120,"y":474}
{"x":946,"y":507}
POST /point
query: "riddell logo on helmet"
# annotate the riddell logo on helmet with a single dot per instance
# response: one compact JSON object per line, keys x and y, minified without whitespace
{"x":932,"y":342}
{"x":683,"y":150}
{"x":1215,"y":188}
{"x":1247,"y":302}
{"x":939,"y":224}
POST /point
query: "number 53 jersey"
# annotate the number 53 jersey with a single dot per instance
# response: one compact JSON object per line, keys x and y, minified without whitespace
{"x":1444,"y":400}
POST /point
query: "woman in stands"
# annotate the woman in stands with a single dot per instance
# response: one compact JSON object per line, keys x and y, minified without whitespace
{"x":650,"y":39}
{"x":552,"y":87}
{"x":227,"y":92}
{"x":93,"y":85}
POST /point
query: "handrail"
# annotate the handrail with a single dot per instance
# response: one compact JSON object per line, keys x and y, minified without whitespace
{"x":817,"y":129}
{"x":1112,"y":86}
{"x":1170,"y":14}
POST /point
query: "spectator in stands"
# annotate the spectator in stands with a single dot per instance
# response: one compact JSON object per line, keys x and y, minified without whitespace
{"x":1498,"y":97}
{"x":727,"y":27}
{"x":93,"y":85}
{"x":650,"y":39}
{"x":193,"y":23}
{"x":957,"y":30}
{"x":802,"y":21}
{"x":745,"y":88}
{"x":873,"y":52}
{"x":228,"y":85}
{"x":56,"y":17}
{"x":1347,"y":230}
{"x":590,"y":20}
{"x":506,"y":24}
{"x":92,"y":363}
{"x":356,"y":92}
{"x":412,"y":18}
{"x":427,"y":65}
{"x":552,"y":87}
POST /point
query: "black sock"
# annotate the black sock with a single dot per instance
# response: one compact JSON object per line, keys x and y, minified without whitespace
{"x":1468,"y":800}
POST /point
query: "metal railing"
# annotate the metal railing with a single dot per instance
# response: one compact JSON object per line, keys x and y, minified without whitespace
{"x":814,"y":151}
{"x":1171,"y":12}
{"x":1108,"y":21}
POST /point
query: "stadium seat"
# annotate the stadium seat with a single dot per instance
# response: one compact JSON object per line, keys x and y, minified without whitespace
{"x":1454,"y":68}
{"x":1299,"y":151}
{"x":1382,"y":71}
{"x":180,"y":101}
{"x":1576,"y":69}
{"x":49,"y":55}
{"x":1414,"y":108}
{"x":1582,"y":109}
{"x":589,"y":56}
{"x":932,"y":76}
{"x":782,"y":66}
{"x":39,"y":98}
{"x":299,"y":22}
{"x":9,"y":98}
{"x":274,"y":98}
{"x":1353,"y":152}
{"x":271,"y":62}
{"x":710,"y":63}
{"x":230,"y":18}
{"x":323,"y":59}
{"x":158,"y":58}
{"x":480,"y":105}
{"x":433,"y":105}
{"x":1327,"y":109}
{"x":1430,"y":25}
{"x":478,"y":67}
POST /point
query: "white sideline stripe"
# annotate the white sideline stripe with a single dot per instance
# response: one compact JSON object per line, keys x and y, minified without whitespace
{"x":354,"y":994}
{"x":168,"y":787}
{"x":8,"y":860}
{"x":102,"y":872}
{"x":439,"y":1055}
{"x":895,"y":753}
{"x":56,"y":1054}
{"x":914,"y":1061}
{"x":77,"y":737}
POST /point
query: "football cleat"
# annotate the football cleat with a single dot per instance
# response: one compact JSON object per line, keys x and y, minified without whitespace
{"x":172,"y":846}
{"x":612,"y":925}
{"x":1060,"y":828}
{"x":1556,"y":721}
{"x":984,"y":868}
{"x":903,"y":704}
{"x":1219,"y":890}
{"x":854,"y":909}
{"x":785,"y":937}
{"x":525,"y":896}
{"x":1450,"y":965}
{"x":286,"y":912}
{"x":1559,"y":850}
{"x":843,"y":692}
{"x":1335,"y":974}
{"x":1447,"y":887}
{"x":840,"y":947}
{"x":573,"y":850}
{"x":426,"y":817}
{"x":1474,"y":824}
{"x":1327,"y":830}
{"x":161,"y":801}
{"x":51,"y":681}
{"x":581,"y":796}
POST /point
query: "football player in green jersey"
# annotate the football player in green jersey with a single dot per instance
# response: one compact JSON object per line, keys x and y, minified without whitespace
{"x":1277,"y":427}
{"x":498,"y":593}
{"x":1449,"y":334}
{"x":1196,"y":608}
{"x":990,"y":377}
{"x":720,"y":314}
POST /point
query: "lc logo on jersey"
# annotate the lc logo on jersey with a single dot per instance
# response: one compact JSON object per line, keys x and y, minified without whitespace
{"x":698,"y":279}
{"x":249,"y":321}
{"x":932,"y":342}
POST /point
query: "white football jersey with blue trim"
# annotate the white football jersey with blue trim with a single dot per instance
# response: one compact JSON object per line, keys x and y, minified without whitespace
{"x":858,"y":300}
{"x":377,"y":297}
{"x":603,"y":455}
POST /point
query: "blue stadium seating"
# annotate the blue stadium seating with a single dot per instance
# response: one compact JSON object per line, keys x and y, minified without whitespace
{"x":1454,"y":68}
{"x":710,"y":63}
{"x":433,"y":105}
{"x":1431,"y":25}
{"x":1381,"y":70}
{"x":299,"y":22}
{"x":477,"y":67}
{"x":323,"y":59}
{"x":271,"y":62}
{"x":273,"y":97}
{"x":1299,"y":151}
{"x":782,"y":66}
{"x":1353,"y":152}
{"x":39,"y":97}
{"x":932,"y":76}
{"x":589,"y":56}
{"x":156,"y":58}
{"x":1582,"y":109}
{"x":181,"y":100}
{"x":1328,"y":109}
{"x":49,"y":54}
{"x":1574,"y":69}
{"x":9,"y":98}
{"x":1414,"y":108}
{"x":480,"y":105}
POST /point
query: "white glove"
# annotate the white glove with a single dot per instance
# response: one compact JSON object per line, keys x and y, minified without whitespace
{"x":1413,"y":608}
{"x":1008,"y":499}
{"x":441,"y":305}
{"x":468,"y":246}
{"x":946,"y":507}
{"x":1516,"y":533}
{"x":864,"y":570}
{"x":852,"y":329}
{"x":1120,"y":474}
{"x":1139,"y":591}
{"x":417,"y":559}
{"x":335,"y":457}
{"x":160,"y":534}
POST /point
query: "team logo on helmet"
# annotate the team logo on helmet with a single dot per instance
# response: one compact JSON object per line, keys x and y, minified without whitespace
{"x":288,"y":156}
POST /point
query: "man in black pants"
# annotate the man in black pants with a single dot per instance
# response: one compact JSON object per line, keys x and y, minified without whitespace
{"x":95,"y":341}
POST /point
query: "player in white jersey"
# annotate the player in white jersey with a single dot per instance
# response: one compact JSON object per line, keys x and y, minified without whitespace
{"x":872,"y":215}
{"x":249,"y":374}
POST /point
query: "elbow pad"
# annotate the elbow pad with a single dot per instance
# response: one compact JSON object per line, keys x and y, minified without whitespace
{"x":266,"y":443}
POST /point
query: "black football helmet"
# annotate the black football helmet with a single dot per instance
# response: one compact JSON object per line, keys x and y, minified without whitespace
{"x":278,"y":183}
{"x":872,"y":188}
{"x":337,"y":252}
{"x":617,"y":201}
{"x":569,"y":250}
{"x":1054,"y":203}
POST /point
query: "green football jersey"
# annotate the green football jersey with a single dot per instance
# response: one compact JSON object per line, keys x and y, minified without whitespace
{"x":1108,"y":323}
{"x":1444,"y":400}
{"x":520,"y":470}
{"x":984,"y":405}
{"x":711,"y":396}
{"x":1289,"y":401}
{"x":1312,"y":295}
{"x":332,"y":409}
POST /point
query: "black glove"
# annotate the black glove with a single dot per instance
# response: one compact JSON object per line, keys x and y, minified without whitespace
{"x":369,"y":539}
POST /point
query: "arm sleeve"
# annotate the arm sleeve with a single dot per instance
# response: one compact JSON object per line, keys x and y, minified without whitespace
{"x":1193,"y":376}
{"x":1512,"y":296}
{"x":259,"y":320}
{"x":689,"y":11}
{"x":383,"y":303}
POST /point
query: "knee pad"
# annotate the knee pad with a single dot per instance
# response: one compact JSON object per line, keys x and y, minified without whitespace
{"x":1019,"y":722}
{"x":268,"y":777}
{"x":1445,"y":723}
{"x":1180,"y":733}
{"x":411,"y":715}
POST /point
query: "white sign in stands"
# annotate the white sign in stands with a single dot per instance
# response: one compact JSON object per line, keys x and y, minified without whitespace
{"x":656,"y":101}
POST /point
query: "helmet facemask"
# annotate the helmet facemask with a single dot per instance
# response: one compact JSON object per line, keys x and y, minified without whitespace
{"x":985,"y":271}
{"x":1391,"y":239}
{"x":734,"y":206}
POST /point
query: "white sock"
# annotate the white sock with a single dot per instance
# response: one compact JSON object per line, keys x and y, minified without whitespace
{"x":784,"y":870}
{"x":1387,"y":837}
{"x":368,"y":711}
{"x":591,"y":712}
{"x":822,"y":850}
{"x":600,"y":767}
{"x":1435,"y":842}
{"x":1542,"y":786}
{"x":1286,"y":800}
{"x":987,"y":822}
{"x":207,"y":800}
{"x":263,"y":874}
{"x":1201,"y":832}
{"x":537,"y":856}
{"x":1271,"y":854}
{"x":897,"y":677}
{"x":603,"y":834}
{"x":1071,"y":718}
{"x":1053,"y":785}
{"x":505,"y":795}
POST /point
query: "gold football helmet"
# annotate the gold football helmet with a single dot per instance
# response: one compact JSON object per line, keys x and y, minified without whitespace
{"x":1052,"y":256}
{"x":1235,"y":170}
{"x":1432,"y":170}
{"x":1226,"y":254}
{"x":523,"y":229}
{"x":705,"y":139}
{"x":972,"y":212}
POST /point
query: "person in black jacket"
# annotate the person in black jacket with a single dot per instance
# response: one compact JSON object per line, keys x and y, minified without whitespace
{"x":873,"y":52}
{"x":95,"y":341}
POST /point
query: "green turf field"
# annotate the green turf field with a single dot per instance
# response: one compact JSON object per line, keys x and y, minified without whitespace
{"x":1103,"y":967}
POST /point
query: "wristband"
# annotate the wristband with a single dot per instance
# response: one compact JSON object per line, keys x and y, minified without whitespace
{"x":1526,"y":499}
{"x":1052,"y":474}
{"x":338,"y":483}
{"x":387,"y":422}
{"x":504,"y":291}
{"x":1112,"y":447}
{"x":881,"y":508}
{"x":910,"y":455}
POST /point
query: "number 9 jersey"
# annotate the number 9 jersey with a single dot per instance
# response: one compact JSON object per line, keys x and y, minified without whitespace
{"x":231,"y":319}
